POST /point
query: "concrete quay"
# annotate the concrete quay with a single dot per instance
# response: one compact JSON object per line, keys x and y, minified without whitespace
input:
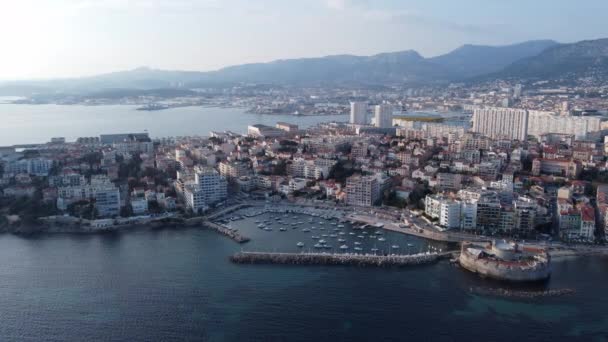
{"x":227,"y":211}
{"x":326,"y":259}
{"x":416,"y":230}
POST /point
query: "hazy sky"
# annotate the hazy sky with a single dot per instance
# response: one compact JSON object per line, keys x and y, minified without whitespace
{"x":65,"y":38}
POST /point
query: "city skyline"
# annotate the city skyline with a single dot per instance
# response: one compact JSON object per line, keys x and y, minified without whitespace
{"x":73,"y":38}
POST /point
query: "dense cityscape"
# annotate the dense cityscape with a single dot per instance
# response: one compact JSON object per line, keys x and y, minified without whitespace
{"x":319,"y":170}
{"x":530,"y":166}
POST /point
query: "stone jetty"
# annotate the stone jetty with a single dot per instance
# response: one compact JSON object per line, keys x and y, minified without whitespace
{"x":520,"y":293}
{"x":231,"y":233}
{"x":343,"y":259}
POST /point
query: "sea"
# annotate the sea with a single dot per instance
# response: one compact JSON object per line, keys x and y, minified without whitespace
{"x":33,"y":124}
{"x":30,"y":124}
{"x":177,"y":284}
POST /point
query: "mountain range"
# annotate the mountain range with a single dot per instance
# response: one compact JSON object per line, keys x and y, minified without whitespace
{"x":528,"y":60}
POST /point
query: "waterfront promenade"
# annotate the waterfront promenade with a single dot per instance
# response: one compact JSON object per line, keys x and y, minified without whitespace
{"x":416,"y":229}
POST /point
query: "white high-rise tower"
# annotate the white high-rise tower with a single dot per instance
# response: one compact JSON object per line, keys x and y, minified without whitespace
{"x":358,"y":113}
{"x":384,"y":115}
{"x":501,"y":123}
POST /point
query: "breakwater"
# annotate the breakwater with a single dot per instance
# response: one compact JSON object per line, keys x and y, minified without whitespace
{"x":343,"y":259}
{"x":521,"y":294}
{"x":231,"y":233}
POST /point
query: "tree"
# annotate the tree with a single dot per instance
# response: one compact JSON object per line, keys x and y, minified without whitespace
{"x":126,"y":211}
{"x":419,"y":193}
{"x":392,"y":200}
{"x":341,"y":171}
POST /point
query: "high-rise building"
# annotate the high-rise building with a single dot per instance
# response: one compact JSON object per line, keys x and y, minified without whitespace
{"x":517,"y":91}
{"x":541,"y":122}
{"x":362,"y":190}
{"x":501,"y":123}
{"x":358,"y":113}
{"x":107,"y":201}
{"x":209,"y":187}
{"x":383,"y":115}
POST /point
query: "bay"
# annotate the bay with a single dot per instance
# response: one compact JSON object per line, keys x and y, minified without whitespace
{"x":25,"y":124}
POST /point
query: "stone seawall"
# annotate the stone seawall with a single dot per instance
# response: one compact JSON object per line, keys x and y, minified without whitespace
{"x":336,"y":259}
{"x":231,"y":233}
{"x":521,"y":294}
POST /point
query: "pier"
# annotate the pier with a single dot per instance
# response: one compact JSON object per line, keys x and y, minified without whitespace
{"x":339,"y":259}
{"x":231,"y":233}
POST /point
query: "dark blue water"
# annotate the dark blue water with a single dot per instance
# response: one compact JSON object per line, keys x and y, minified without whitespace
{"x":178,"y":285}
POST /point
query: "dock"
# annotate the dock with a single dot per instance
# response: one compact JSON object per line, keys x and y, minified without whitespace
{"x":339,"y":259}
{"x":231,"y":233}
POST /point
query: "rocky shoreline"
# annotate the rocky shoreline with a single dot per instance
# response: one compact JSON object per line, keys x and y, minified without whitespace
{"x":521,"y":294}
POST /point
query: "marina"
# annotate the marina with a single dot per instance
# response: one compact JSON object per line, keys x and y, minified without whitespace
{"x":281,"y":228}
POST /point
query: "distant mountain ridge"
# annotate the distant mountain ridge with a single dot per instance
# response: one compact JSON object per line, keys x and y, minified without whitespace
{"x":532,"y":59}
{"x":582,"y":59}
{"x":474,"y":60}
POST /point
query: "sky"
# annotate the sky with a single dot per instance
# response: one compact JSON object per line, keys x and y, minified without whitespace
{"x":72,"y":38}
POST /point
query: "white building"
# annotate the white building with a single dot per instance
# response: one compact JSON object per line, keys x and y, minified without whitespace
{"x":383,"y":115}
{"x":541,"y":122}
{"x":100,"y":188}
{"x":107,"y":201}
{"x":501,"y":123}
{"x":35,"y":166}
{"x":446,"y":209}
{"x":209,"y":187}
{"x":358,"y":113}
{"x":235,"y":169}
{"x":139,"y":205}
{"x":450,"y":214}
{"x":263,"y":131}
{"x":468,"y":214}
{"x":312,"y":168}
{"x":362,"y":190}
